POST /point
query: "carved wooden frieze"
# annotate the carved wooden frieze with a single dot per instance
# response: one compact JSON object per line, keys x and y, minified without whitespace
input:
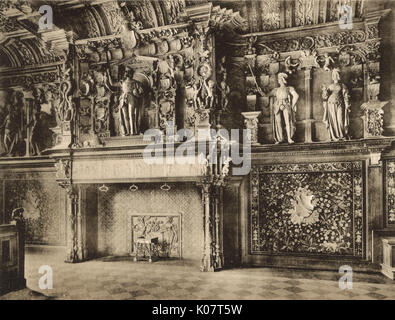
{"x":27,"y":81}
{"x":268,"y":15}
{"x":304,"y":12}
{"x":315,"y":208}
{"x":311,"y":42}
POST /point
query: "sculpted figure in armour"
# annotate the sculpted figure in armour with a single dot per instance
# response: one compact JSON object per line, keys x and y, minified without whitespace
{"x":131,"y":103}
{"x":284,"y":110}
{"x":336,"y":108}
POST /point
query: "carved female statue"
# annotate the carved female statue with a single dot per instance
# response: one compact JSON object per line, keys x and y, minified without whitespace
{"x":10,"y":131}
{"x":123,"y":107}
{"x":224,"y":91}
{"x":336,"y":108}
{"x":284,"y":109}
{"x":35,"y":137}
{"x":135,"y":107}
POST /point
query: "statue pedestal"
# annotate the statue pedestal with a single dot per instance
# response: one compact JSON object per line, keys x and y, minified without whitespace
{"x":251,"y":124}
{"x":373,"y":118}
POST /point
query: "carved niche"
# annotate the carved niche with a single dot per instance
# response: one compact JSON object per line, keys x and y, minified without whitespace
{"x":26,"y":120}
{"x":13,"y":124}
{"x":40,"y":118}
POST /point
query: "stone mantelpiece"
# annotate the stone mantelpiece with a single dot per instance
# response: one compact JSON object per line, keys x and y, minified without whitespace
{"x":130,"y":170}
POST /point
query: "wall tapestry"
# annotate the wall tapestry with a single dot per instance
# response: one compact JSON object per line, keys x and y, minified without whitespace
{"x":312,"y":208}
{"x":390,"y":191}
{"x":44,"y":215}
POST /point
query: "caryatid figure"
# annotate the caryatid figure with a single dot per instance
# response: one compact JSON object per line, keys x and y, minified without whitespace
{"x":284,"y":110}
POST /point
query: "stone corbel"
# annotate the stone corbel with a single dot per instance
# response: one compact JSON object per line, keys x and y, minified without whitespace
{"x":251,"y":124}
{"x":375,"y":160}
{"x":63,"y":172}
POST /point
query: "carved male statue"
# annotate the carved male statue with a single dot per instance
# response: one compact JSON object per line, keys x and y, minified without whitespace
{"x":132,"y":100}
{"x":284,"y":109}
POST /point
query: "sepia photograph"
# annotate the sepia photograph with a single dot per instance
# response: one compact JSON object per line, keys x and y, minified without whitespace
{"x":205,"y":152}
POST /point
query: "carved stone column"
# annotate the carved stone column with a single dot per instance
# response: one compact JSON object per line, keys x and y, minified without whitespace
{"x":212,"y":189}
{"x":373,"y":122}
{"x":375,"y":208}
{"x":74,"y":234}
{"x":308,"y":61}
{"x":208,"y":260}
{"x":28,"y":113}
{"x":74,"y":251}
{"x":309,"y":120}
{"x":212,"y":250}
{"x":218,"y":229}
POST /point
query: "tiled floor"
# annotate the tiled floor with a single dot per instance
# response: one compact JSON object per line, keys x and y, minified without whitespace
{"x":124,"y":279}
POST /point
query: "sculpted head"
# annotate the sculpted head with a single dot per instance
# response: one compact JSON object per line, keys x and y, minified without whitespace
{"x":336,"y":75}
{"x":282,"y":78}
{"x":126,"y":85}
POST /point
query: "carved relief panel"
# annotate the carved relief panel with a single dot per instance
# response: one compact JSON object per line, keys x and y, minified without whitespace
{"x":13,"y":124}
{"x":166,"y":228}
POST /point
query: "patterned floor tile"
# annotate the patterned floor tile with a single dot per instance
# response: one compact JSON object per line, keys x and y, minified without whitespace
{"x":114,"y":280}
{"x":376,"y":295}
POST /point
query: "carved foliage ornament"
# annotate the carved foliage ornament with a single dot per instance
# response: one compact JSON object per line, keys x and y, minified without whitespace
{"x":311,"y":42}
{"x":27,"y":81}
